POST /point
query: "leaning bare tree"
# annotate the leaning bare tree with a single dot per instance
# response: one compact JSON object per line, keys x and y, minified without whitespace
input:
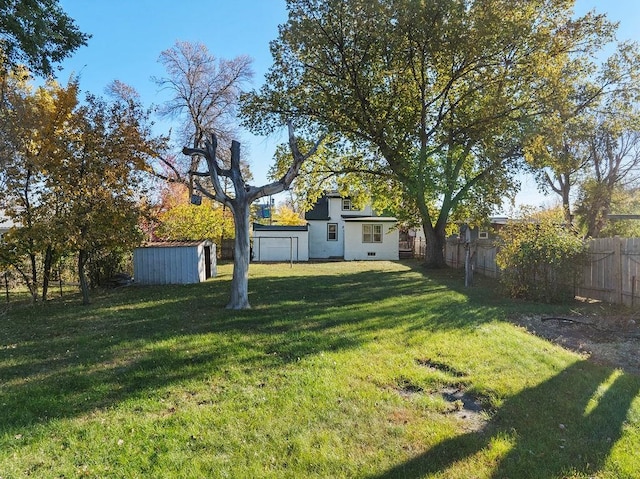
{"x":240,"y":203}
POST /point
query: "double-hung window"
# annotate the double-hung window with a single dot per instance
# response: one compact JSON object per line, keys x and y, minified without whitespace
{"x":332,"y":232}
{"x":372,"y":233}
{"x":347,"y":205}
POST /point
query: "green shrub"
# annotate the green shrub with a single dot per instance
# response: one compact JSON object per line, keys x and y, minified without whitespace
{"x":104,"y":264}
{"x":540,"y":261}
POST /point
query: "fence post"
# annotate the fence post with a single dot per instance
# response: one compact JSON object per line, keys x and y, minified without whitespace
{"x":617,"y":273}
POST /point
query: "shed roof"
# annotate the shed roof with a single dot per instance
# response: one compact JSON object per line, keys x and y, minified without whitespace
{"x":176,"y":244}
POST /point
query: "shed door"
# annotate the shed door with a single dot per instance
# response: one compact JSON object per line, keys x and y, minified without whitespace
{"x":207,"y":262}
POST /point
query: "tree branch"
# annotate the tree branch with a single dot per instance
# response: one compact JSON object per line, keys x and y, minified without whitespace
{"x":285,"y":181}
{"x":209,"y":154}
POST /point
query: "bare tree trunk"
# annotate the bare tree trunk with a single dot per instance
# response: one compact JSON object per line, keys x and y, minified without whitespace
{"x":82,"y":277}
{"x":46,"y":272}
{"x":240,"y":203}
{"x":33,"y":284}
{"x":597,"y":217}
{"x":566,"y":206}
{"x":240,"y":282}
{"x":560,"y":183}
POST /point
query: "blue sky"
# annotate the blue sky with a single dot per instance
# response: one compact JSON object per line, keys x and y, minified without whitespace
{"x":128,"y":36}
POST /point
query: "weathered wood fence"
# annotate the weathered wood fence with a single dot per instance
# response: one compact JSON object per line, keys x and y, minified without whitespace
{"x":613,"y":271}
{"x":611,"y":274}
{"x":484,"y":256}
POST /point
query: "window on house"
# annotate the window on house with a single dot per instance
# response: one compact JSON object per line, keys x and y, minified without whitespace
{"x":371,"y":233}
{"x":332,"y":232}
{"x":347,"y":205}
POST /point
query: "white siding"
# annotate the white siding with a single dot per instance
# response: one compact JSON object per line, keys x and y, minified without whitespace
{"x":349,"y":244}
{"x":270,"y":245}
{"x":319,"y":246}
{"x":335,"y":209}
{"x":356,"y":250}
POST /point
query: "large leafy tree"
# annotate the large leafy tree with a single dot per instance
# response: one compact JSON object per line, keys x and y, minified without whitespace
{"x":438,"y":95}
{"x":109,"y":146}
{"x":73,"y":181}
{"x":614,"y":166}
{"x":32,"y":123}
{"x":36,"y":34}
{"x":592,"y":107}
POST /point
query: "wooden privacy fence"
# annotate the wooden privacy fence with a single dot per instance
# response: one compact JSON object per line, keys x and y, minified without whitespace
{"x":611,"y":273}
{"x":483,"y":256}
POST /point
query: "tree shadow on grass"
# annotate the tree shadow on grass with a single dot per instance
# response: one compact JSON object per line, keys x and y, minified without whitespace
{"x":563,"y":426}
{"x":62,"y":361}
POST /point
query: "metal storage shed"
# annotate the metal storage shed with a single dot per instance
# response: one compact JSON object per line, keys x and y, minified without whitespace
{"x":174,"y":262}
{"x":280,"y":243}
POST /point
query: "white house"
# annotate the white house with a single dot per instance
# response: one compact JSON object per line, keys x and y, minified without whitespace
{"x":338,"y":230}
{"x":280,"y":243}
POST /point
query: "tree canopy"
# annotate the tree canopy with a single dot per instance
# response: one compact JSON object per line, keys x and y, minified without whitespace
{"x":36,"y":34}
{"x":437,"y":96}
{"x":204,"y":99}
{"x":588,"y":140}
{"x":72,"y":181}
{"x":185,"y":221}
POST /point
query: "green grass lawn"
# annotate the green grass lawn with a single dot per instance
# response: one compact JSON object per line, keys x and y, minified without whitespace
{"x":353,"y":370}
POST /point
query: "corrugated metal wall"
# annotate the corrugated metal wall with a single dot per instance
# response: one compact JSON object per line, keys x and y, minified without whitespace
{"x":169,"y":264}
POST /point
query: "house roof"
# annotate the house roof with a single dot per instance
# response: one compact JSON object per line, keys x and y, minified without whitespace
{"x":259,"y":227}
{"x":320,"y":210}
{"x":369,"y":219}
{"x":175,"y":244}
{"x":498,"y":220}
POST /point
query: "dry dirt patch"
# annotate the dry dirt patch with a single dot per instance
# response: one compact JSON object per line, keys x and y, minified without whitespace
{"x":611,"y":340}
